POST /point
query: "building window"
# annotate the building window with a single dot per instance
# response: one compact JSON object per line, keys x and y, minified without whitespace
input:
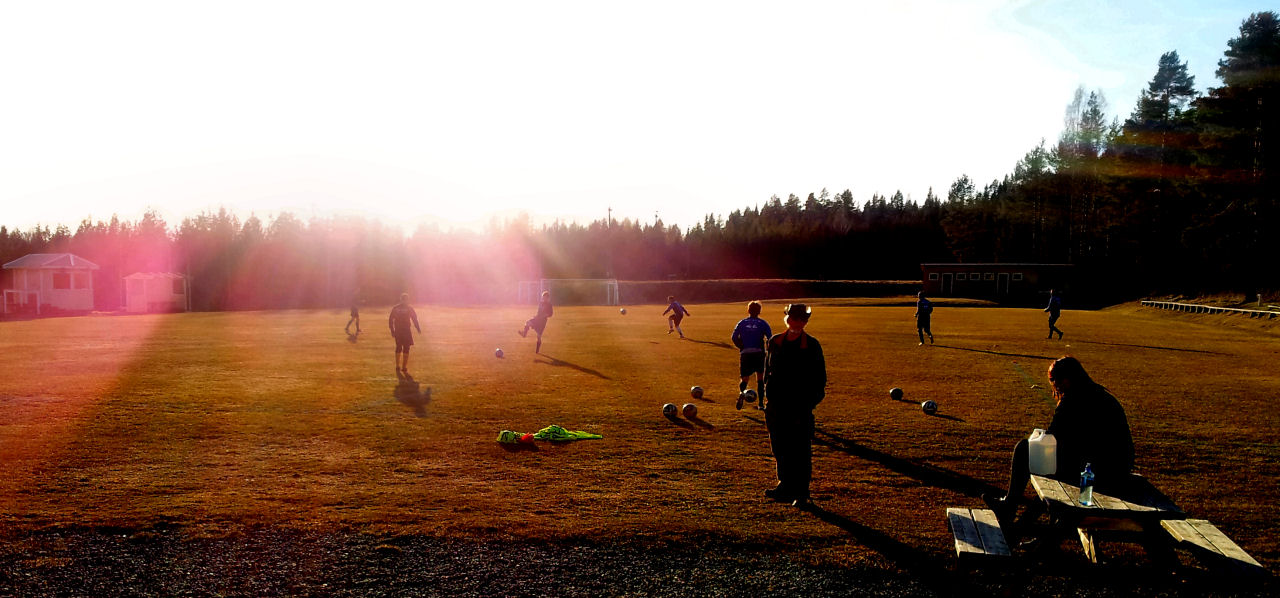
{"x":1017,"y":276}
{"x":177,"y":286}
{"x":933,"y":276}
{"x":989,"y":276}
{"x":82,"y":280}
{"x":975,"y":276}
{"x":960,"y":276}
{"x":61,"y":280}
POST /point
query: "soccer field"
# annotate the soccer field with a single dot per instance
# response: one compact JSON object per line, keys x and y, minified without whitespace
{"x":220,"y":420}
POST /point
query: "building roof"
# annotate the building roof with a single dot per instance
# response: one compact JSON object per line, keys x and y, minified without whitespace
{"x":153,"y":275}
{"x":51,"y":261}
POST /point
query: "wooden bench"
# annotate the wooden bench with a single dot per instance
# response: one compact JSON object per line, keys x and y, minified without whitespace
{"x":1212,"y":547}
{"x":977,"y":533}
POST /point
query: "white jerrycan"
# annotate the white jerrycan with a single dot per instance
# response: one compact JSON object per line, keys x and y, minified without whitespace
{"x":1042,"y":452}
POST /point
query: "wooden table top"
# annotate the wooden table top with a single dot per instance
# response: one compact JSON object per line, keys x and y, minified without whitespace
{"x":1141,"y":500}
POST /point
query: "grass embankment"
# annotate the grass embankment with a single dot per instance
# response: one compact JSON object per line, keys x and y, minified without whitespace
{"x":218,"y":421}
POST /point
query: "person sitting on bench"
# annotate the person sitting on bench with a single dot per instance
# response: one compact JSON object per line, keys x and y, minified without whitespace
{"x":1090,"y":428}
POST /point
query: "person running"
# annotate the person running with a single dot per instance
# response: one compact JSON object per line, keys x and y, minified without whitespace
{"x":1090,"y":428}
{"x":750,"y":336}
{"x":539,"y":321}
{"x":355,"y":314}
{"x":401,"y":315}
{"x":795,"y":379}
{"x":1055,"y":310}
{"x":678,"y":312}
{"x":924,"y":309}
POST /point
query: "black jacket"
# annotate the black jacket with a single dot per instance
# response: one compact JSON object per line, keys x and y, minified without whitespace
{"x":795,"y":374}
{"x":1090,"y":427}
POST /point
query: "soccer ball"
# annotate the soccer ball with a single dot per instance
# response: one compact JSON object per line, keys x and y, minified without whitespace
{"x":497,"y":353}
{"x":929,"y":407}
{"x":748,"y":396}
{"x":696,"y":392}
{"x":895,"y":393}
{"x":623,"y":311}
{"x":669,"y":410}
{"x":689,"y":410}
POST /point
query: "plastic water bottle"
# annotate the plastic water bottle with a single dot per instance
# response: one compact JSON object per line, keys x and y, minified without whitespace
{"x":1086,"y":485}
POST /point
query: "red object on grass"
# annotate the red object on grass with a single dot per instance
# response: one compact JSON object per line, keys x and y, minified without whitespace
{"x":527,"y":439}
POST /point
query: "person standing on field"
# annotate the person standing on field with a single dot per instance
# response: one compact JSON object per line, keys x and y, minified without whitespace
{"x":924,"y":309}
{"x":750,"y":336}
{"x":355,"y":314}
{"x":795,"y":379}
{"x":402,"y":315}
{"x":1055,"y":310}
{"x":678,"y":312}
{"x":539,"y":321}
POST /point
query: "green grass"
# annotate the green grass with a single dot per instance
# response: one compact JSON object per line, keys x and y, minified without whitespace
{"x":220,"y":420}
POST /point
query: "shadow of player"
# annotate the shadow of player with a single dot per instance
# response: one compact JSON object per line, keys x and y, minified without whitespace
{"x":351,"y":338}
{"x":713,"y":343}
{"x":411,"y":395}
{"x":564,"y":364}
{"x":990,"y":352}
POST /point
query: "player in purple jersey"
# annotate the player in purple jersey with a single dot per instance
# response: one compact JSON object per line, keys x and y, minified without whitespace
{"x":401,"y":315}
{"x":539,"y":321}
{"x":678,"y":312}
{"x":750,"y":336}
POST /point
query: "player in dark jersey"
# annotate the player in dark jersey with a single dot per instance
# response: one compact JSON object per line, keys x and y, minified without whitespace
{"x":355,"y":314}
{"x":678,"y":312}
{"x":750,"y":336}
{"x":401,"y":315}
{"x":924,"y":309}
{"x":1055,"y":311}
{"x":539,"y":321}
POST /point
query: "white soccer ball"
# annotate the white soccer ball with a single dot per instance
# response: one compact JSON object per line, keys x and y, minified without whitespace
{"x":696,"y":392}
{"x":689,"y":410}
{"x":748,"y":396}
{"x":623,"y":311}
{"x":929,"y":407}
{"x":669,"y":410}
{"x":895,"y":393}
{"x":497,"y":353}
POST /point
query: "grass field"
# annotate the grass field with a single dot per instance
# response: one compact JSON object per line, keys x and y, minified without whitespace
{"x":217,"y":421}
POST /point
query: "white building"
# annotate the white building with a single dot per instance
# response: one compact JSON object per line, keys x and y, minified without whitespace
{"x":38,"y":281}
{"x":155,"y":291}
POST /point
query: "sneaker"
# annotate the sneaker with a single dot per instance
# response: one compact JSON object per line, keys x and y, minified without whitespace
{"x":1059,"y":335}
{"x":522,"y":333}
{"x":931,"y":340}
{"x":803,"y":503}
{"x":778,"y":495}
{"x":670,"y":331}
{"x":738,"y":405}
{"x":920,"y":345}
{"x":1003,"y":507}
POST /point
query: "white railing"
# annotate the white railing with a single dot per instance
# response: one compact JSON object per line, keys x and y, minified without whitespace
{"x":1209,"y":309}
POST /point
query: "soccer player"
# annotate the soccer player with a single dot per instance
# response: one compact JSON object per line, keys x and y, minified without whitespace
{"x":795,"y":376}
{"x":678,"y":312}
{"x":401,"y":315}
{"x":539,"y":321}
{"x":1055,"y":310}
{"x":924,"y":309}
{"x":355,"y":314}
{"x":750,"y":336}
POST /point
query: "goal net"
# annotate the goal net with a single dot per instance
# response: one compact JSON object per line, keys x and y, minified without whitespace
{"x":571,"y":291}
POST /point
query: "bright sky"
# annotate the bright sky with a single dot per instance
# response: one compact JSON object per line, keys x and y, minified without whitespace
{"x":452,"y":111}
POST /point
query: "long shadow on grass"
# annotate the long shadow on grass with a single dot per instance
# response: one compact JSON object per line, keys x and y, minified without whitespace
{"x":931,"y":475}
{"x":411,"y":395}
{"x":922,"y":566}
{"x":1150,"y":347}
{"x":561,"y":363}
{"x":713,"y":343}
{"x":1047,"y":358}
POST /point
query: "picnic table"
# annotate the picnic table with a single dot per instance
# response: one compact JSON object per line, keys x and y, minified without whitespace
{"x":1133,"y":514}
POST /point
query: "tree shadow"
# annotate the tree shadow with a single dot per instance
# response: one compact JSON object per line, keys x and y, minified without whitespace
{"x":930,"y":475}
{"x":712,"y":343}
{"x":561,"y":363}
{"x":1158,"y":348}
{"x":411,"y":395}
{"x":997,"y":352}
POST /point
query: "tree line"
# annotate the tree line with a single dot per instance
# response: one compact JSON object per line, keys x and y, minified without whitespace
{"x":1181,"y":195}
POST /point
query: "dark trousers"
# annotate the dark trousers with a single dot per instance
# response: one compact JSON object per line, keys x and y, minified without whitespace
{"x":1053,"y":319}
{"x":922,"y":328}
{"x":791,"y":439}
{"x":1020,"y":474}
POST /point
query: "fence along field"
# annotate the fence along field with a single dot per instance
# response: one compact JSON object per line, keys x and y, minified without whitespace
{"x":215,"y":421}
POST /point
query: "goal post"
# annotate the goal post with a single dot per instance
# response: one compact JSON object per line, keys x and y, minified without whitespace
{"x":570,"y":291}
